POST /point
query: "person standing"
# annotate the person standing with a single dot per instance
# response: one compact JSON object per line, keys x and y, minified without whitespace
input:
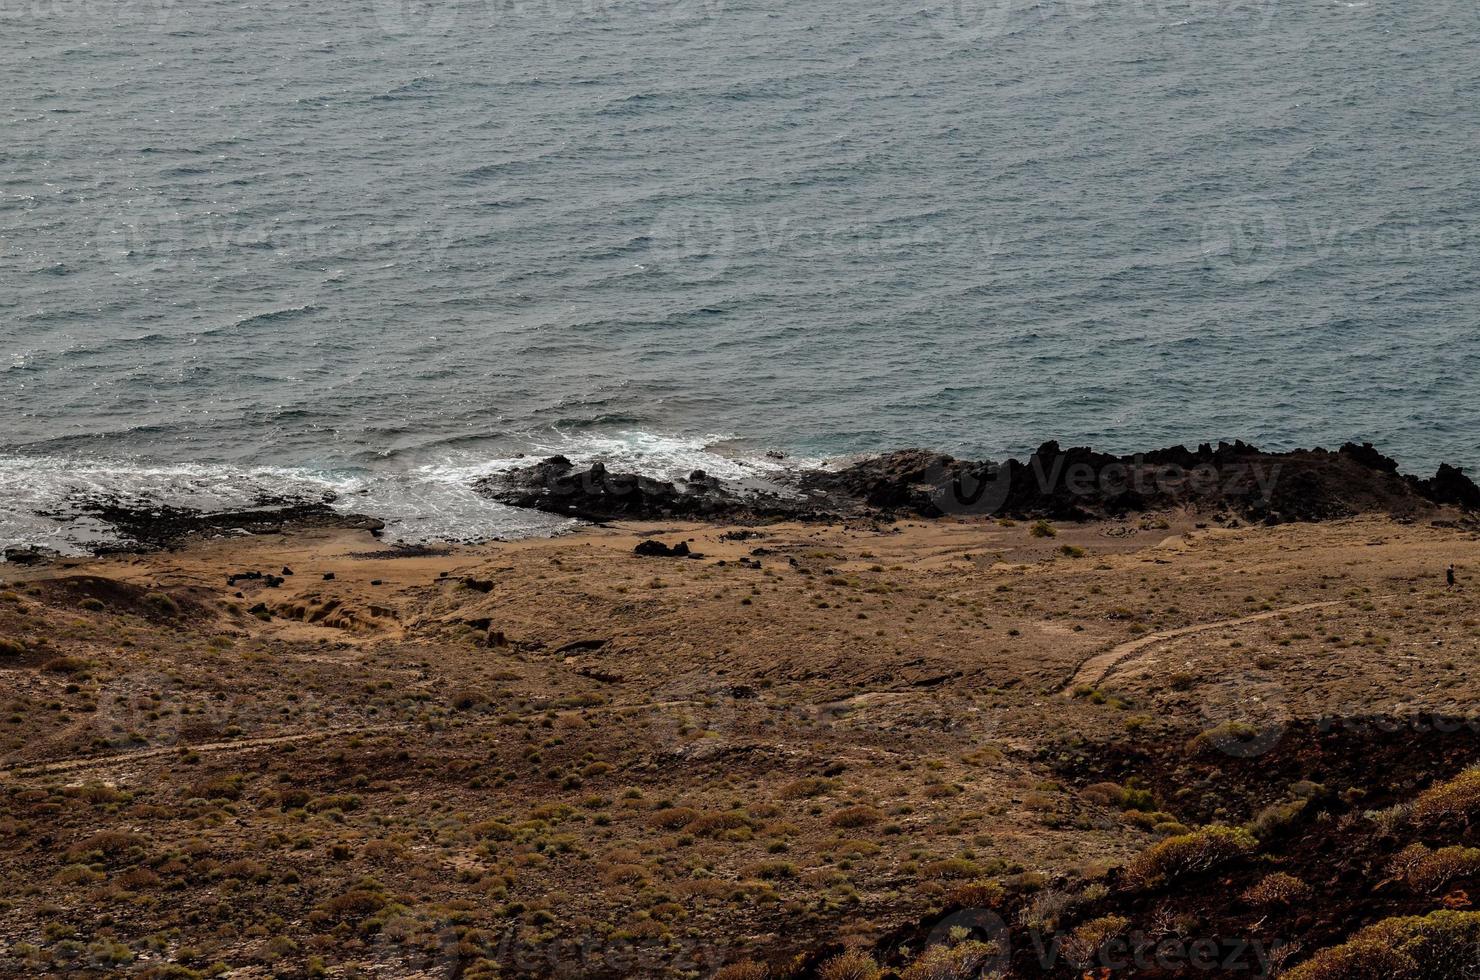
{"x":1449,"y":577}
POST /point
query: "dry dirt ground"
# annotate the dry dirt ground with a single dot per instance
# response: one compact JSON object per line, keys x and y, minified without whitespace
{"x":559,"y":757}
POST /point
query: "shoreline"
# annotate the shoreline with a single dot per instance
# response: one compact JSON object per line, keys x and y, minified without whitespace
{"x":1229,"y":483}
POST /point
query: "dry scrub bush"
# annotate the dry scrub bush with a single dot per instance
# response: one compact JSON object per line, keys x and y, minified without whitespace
{"x":111,"y":844}
{"x":1274,"y":818}
{"x":1454,"y":802}
{"x":673,"y":818}
{"x":977,"y":895}
{"x":1278,"y":889}
{"x":162,"y":603}
{"x":852,"y":965}
{"x":959,"y":962}
{"x":1086,"y":941}
{"x":10,"y":648}
{"x":950,"y":868}
{"x":1119,"y":797}
{"x":855,"y":816}
{"x":1187,"y":854}
{"x":744,"y":970}
{"x":1389,"y":819}
{"x":1442,"y":945}
{"x":802,"y":788}
{"x":1429,"y":871}
{"x":714,"y":824}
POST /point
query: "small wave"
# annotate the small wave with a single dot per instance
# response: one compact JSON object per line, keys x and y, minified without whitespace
{"x":43,"y":498}
{"x":414,"y":89}
{"x":664,"y":457}
{"x":273,"y":316}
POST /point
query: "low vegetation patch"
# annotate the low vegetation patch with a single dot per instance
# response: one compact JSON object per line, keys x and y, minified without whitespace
{"x":1188,"y":854}
{"x":1442,"y":945}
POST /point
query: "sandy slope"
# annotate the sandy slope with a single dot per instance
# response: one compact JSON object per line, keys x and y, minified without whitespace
{"x":808,"y":734}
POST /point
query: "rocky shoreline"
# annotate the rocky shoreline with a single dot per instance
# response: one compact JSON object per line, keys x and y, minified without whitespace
{"x":1228,"y":482}
{"x":144,"y":528}
{"x":1234,"y":480}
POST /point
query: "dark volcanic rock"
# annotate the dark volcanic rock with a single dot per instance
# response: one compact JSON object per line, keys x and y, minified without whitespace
{"x":556,"y":486}
{"x":1450,"y":486}
{"x":32,"y":555}
{"x":653,"y":548}
{"x":149,"y":528}
{"x":1077,"y":483}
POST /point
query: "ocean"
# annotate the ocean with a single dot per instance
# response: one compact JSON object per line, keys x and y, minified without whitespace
{"x":372,"y":249}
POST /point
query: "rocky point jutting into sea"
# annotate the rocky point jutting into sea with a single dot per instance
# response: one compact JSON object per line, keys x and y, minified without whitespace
{"x":1068,"y":484}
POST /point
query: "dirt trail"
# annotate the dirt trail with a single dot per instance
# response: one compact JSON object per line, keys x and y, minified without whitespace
{"x":83,"y":763}
{"x":1097,"y":668}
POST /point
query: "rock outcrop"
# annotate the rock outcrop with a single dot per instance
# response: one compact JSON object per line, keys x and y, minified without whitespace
{"x":1077,"y":483}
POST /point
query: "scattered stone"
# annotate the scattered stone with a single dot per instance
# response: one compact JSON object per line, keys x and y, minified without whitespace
{"x":653,"y":548}
{"x":30,"y":555}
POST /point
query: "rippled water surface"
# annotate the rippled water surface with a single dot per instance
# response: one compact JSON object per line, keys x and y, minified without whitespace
{"x":376,"y":248}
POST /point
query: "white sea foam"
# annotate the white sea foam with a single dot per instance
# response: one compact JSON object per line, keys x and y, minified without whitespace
{"x":42,"y":499}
